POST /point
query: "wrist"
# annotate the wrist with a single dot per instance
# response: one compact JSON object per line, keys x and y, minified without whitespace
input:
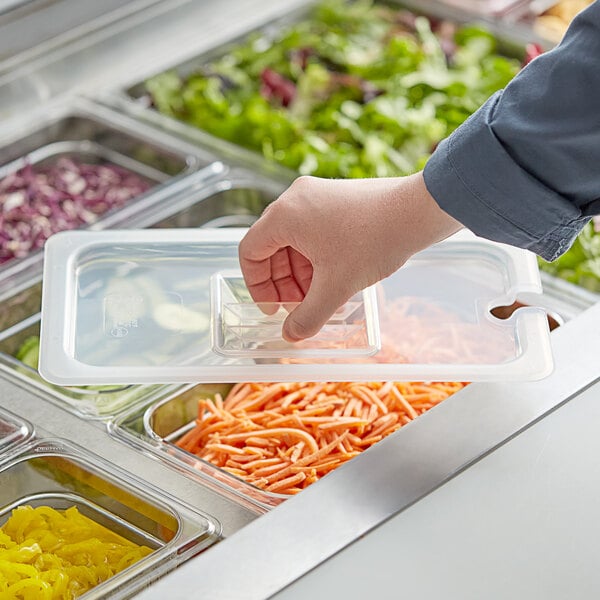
{"x":419,"y":215}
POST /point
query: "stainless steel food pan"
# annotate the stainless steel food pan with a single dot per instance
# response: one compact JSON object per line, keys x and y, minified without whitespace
{"x":13,"y":432}
{"x":236,"y":200}
{"x":96,"y":134}
{"x":55,"y":473}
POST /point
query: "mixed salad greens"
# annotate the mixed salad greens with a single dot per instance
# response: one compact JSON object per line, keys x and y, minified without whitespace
{"x":356,"y":90}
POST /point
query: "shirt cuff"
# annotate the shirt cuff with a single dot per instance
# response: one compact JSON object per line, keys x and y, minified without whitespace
{"x":473,"y":178}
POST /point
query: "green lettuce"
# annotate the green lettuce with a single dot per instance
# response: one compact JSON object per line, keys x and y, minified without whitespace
{"x":375,"y":90}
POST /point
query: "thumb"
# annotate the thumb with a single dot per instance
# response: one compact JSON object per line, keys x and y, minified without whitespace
{"x":321,"y":301}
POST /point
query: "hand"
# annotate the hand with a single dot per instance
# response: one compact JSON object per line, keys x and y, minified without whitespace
{"x":323,"y":240}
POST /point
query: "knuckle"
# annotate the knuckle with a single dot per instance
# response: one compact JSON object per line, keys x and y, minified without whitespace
{"x":275,"y":211}
{"x":302,"y":181}
{"x":303,"y":184}
{"x":269,"y":208}
{"x":243,"y":246}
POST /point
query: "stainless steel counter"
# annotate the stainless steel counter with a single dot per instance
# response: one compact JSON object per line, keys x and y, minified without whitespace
{"x":30,"y":28}
{"x":400,"y":471}
{"x":522,"y":523}
{"x":140,"y":44}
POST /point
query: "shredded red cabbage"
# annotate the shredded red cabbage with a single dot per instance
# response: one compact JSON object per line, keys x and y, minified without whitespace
{"x":37,"y":201}
{"x":276,"y":86}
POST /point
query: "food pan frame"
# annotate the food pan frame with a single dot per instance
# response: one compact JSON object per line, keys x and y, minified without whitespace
{"x":104,"y":135}
{"x":66,"y":474}
{"x":14,"y":431}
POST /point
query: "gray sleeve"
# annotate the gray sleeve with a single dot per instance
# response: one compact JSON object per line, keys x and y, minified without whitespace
{"x":525,"y":168}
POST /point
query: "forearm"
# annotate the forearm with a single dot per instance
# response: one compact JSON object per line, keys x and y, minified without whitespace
{"x":524,"y":169}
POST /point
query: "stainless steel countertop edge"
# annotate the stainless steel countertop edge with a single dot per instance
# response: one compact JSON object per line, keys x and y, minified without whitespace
{"x":309,"y":528}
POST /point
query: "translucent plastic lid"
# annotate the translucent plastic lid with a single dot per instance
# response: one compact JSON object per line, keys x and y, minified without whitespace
{"x":170,"y":306}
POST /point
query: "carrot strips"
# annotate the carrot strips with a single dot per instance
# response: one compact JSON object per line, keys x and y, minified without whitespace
{"x":281,"y":437}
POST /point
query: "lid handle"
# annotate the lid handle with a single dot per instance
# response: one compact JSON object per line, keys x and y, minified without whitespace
{"x":244,"y":329}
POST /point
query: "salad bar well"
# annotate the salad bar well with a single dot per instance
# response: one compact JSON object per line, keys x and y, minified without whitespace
{"x":178,"y":118}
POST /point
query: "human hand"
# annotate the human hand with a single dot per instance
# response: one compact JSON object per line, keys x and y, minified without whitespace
{"x":323,"y":240}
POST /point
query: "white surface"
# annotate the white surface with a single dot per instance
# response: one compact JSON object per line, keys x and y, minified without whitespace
{"x":523,"y":523}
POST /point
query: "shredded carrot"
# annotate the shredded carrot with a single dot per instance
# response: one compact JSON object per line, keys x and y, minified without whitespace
{"x":290,"y":481}
{"x":282,"y":437}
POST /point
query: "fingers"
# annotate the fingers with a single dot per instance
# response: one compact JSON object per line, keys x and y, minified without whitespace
{"x":256,"y":251}
{"x":302,"y":269}
{"x":285,"y":277}
{"x":279,"y":252}
{"x":272,"y":269}
{"x":321,"y":301}
{"x":264,"y":238}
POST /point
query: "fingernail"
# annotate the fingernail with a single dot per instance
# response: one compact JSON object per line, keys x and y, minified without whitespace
{"x":289,"y":334}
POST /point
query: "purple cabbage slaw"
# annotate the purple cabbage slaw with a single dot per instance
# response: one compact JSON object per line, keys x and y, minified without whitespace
{"x":37,"y":201}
